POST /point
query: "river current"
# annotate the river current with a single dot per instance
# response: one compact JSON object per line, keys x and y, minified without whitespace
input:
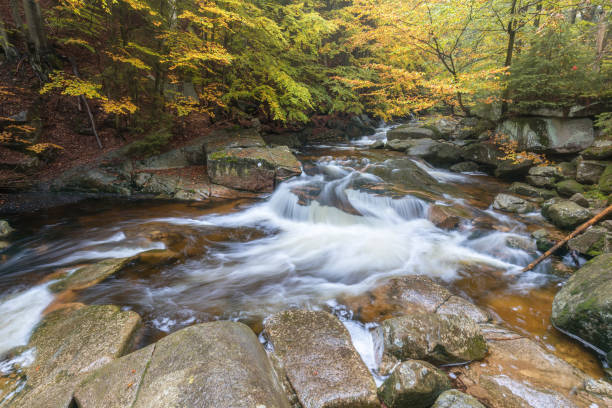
{"x":349,"y":222}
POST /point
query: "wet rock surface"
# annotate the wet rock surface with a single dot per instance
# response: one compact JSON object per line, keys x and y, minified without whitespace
{"x":415,"y":384}
{"x":218,"y":364}
{"x":514,"y":204}
{"x":440,"y":339}
{"x":583,"y":306}
{"x":565,"y":214}
{"x":90,"y":275}
{"x":321,"y":364}
{"x":456,"y":399}
{"x":410,"y":131}
{"x":518,"y":372}
{"x":70,"y":343}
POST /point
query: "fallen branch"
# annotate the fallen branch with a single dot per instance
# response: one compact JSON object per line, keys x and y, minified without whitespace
{"x":577,"y":231}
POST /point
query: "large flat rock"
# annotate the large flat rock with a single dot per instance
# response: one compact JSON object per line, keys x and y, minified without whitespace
{"x":216,"y":365}
{"x":518,"y":372}
{"x":257,"y":169}
{"x":70,"y":343}
{"x":320,"y":362}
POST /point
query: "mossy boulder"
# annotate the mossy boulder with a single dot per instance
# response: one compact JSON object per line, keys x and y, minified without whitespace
{"x":256,"y":169}
{"x":565,"y":214}
{"x":583,"y":307}
{"x":589,"y":171}
{"x":568,"y":188}
{"x":319,"y":360}
{"x":605,"y":180}
{"x":415,"y":384}
{"x":592,"y":242}
{"x":439,"y":339}
{"x":531,"y":191}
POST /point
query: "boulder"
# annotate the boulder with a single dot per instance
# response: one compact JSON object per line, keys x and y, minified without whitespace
{"x":256,"y":169}
{"x":589,"y":171}
{"x":399,"y":145}
{"x":530,"y":191}
{"x":5,"y":229}
{"x":70,"y":343}
{"x":568,"y":188}
{"x":439,"y":153}
{"x":415,"y":384}
{"x":554,"y":135}
{"x":492,"y":157}
{"x":601,"y":150}
{"x":545,"y":171}
{"x":410,"y":131}
{"x":378,"y":144}
{"x":320,"y":362}
{"x":407,"y":295}
{"x":592,"y":242}
{"x":90,"y":275}
{"x":405,"y":173}
{"x":605,"y":180}
{"x":541,"y":181}
{"x":456,"y":399}
{"x":465,"y":167}
{"x":519,"y":373}
{"x":565,"y":214}
{"x":580,"y":200}
{"x":583,"y":306}
{"x":543,"y":240}
{"x":437,"y":338}
{"x":446,"y":217}
{"x":513,"y":204}
{"x":217,"y":364}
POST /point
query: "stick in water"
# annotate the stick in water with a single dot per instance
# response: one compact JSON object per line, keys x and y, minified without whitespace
{"x":577,"y":231}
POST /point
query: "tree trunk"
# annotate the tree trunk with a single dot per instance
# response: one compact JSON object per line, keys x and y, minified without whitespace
{"x":511,"y":30}
{"x":9,"y":50}
{"x":37,"y":38}
{"x":600,"y":38}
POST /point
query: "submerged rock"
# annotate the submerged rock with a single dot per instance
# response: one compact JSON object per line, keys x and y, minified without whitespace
{"x":518,"y":372}
{"x":217,"y":364}
{"x":565,"y":214}
{"x":414,"y":384}
{"x":583,"y":306}
{"x":437,"y":338}
{"x":456,"y":399}
{"x":90,"y":275}
{"x":318,"y":357}
{"x":510,"y":203}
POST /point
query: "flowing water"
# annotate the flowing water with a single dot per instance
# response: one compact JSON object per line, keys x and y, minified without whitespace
{"x":354,"y":218}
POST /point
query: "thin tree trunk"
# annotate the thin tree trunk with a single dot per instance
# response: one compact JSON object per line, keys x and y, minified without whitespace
{"x":577,"y":231}
{"x":511,"y":30}
{"x":84,"y":100}
{"x":600,"y":38}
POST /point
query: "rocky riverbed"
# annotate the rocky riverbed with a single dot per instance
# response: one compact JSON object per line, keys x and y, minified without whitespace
{"x":356,"y":276}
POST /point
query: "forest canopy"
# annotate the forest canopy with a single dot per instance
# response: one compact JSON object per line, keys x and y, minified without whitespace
{"x":284,"y":61}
